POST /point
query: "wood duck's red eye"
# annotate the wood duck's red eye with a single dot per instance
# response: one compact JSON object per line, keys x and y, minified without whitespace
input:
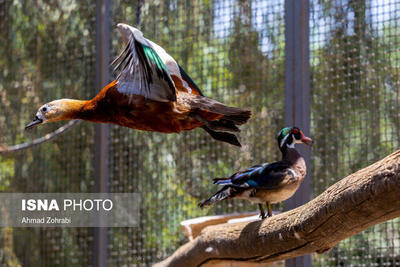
{"x":297,"y":133}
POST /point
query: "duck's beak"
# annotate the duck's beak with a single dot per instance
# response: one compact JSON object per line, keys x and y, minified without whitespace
{"x":35,"y":121}
{"x":306,"y":140}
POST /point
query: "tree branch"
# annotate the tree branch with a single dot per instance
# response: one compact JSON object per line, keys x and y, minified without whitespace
{"x":11,"y":149}
{"x":362,"y":199}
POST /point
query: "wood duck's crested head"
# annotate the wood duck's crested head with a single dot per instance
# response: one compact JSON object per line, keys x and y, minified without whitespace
{"x":289,"y":136}
{"x":57,"y":110}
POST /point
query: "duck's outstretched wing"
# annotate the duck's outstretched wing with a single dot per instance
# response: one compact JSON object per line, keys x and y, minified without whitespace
{"x":265,"y":176}
{"x":145,"y":68}
{"x":194,"y":89}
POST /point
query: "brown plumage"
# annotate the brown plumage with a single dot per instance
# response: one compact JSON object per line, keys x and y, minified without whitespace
{"x":152,"y":93}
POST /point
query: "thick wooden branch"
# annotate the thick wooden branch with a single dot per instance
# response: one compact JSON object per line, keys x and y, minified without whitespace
{"x":365,"y":198}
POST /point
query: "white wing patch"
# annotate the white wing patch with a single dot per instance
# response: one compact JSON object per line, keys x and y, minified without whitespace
{"x":145,"y":68}
{"x":171,"y":64}
{"x":186,"y":85}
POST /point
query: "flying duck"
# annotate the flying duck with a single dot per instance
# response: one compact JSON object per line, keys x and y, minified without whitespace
{"x":269,"y":182}
{"x":151,"y":93}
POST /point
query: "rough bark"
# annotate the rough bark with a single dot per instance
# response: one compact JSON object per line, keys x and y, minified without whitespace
{"x":362,"y":199}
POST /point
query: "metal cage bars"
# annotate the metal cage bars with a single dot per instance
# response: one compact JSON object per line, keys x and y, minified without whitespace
{"x":297,"y":104}
{"x":297,"y":92}
{"x":101,"y":149}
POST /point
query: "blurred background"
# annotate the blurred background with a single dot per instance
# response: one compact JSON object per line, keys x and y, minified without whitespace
{"x":235,"y":51}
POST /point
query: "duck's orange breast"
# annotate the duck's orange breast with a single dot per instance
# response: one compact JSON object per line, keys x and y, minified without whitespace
{"x":111,"y":106}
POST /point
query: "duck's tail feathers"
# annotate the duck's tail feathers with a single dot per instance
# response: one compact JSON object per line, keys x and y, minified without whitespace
{"x":213,"y":110}
{"x":222,"y":194}
{"x":238,"y":116}
{"x":217,"y":118}
{"x":223,"y":125}
{"x":222,"y":181}
{"x":223,"y":136}
{"x":226,"y":116}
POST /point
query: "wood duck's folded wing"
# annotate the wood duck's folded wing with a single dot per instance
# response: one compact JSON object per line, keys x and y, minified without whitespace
{"x":265,"y":176}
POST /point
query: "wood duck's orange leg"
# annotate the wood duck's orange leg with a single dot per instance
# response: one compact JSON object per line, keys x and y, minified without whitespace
{"x":262,"y":212}
{"x":269,"y":209}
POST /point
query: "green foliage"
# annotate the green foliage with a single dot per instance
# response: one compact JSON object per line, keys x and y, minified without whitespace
{"x":48,"y":52}
{"x":353,"y":101}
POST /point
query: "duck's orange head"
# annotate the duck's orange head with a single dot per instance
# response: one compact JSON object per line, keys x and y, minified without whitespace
{"x":57,"y":110}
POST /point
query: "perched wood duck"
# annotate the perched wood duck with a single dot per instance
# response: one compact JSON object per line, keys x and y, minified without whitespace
{"x":269,"y":182}
{"x":151,"y":93}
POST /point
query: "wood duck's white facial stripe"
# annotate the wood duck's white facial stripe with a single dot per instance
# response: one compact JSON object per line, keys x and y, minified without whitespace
{"x":284,"y":140}
{"x":291,"y":145}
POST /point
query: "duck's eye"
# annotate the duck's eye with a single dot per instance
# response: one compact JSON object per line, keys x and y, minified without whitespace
{"x":44,"y":109}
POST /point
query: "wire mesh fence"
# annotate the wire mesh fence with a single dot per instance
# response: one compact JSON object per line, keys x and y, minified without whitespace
{"x":355,"y":101}
{"x":231,"y":55}
{"x":47,"y":52}
{"x":235,"y":51}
